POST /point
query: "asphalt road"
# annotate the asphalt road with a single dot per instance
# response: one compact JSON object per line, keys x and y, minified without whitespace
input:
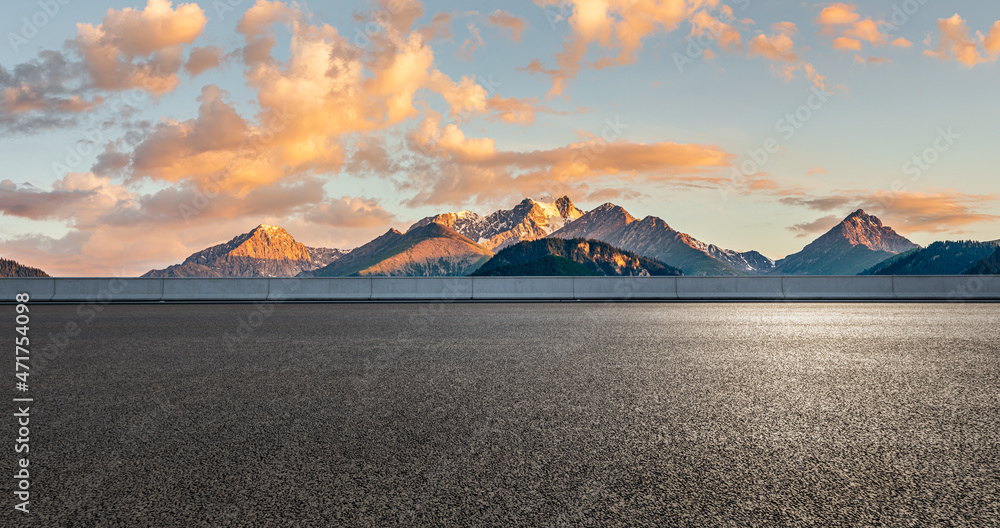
{"x":513,"y":415}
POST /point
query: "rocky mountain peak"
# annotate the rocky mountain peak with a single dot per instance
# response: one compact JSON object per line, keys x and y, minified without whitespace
{"x":860,"y":217}
{"x":863,"y":229}
{"x":264,"y":251}
{"x":567,"y":209}
{"x":859,"y":242}
{"x":611,"y":210}
{"x":657,"y":222}
{"x":269,"y":242}
{"x":528,"y":220}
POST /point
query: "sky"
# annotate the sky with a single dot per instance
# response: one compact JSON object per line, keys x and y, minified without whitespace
{"x":136,"y":133}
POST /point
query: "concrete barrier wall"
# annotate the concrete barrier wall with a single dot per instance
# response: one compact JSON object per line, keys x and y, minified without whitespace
{"x":320,"y":289}
{"x":107,"y":290}
{"x":739,"y":288}
{"x":39,"y":290}
{"x":522,"y":288}
{"x":904,"y":288}
{"x":625,"y":288}
{"x":215,"y":289}
{"x":835,"y":288}
{"x":969,"y":287}
{"x":422,"y":289}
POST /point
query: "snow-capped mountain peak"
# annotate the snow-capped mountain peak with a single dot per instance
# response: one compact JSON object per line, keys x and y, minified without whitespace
{"x":528,"y":220}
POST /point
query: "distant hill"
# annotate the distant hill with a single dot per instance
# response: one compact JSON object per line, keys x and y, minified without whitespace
{"x":266,"y":251}
{"x":546,"y":266}
{"x":431,"y":250}
{"x":9,"y":268}
{"x":874,"y":270}
{"x":939,"y":258}
{"x":856,"y":244}
{"x":577,"y":257}
{"x":987,"y":266}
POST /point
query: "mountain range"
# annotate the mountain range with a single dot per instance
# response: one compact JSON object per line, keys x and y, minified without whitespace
{"x":558,"y":257}
{"x":652,"y":237}
{"x":460,"y":243}
{"x":9,"y":268}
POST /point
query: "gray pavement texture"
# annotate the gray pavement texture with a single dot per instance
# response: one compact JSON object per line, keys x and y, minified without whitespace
{"x":514,"y":415}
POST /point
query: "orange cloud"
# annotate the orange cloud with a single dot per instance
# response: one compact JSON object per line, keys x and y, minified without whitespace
{"x":504,"y":20}
{"x":937,"y":211}
{"x":462,"y":168}
{"x":871,"y":60}
{"x":569,"y":62}
{"x":992,"y":43}
{"x":203,"y":59}
{"x":26,"y":201}
{"x":347,"y":212}
{"x":199,"y":149}
{"x":310,"y":105}
{"x":837,"y":15}
{"x":314,"y":106}
{"x":820,"y":225}
{"x":44,"y":93}
{"x":729,"y":39}
{"x":934,"y":211}
{"x":850,"y":31}
{"x":846,"y":43}
{"x":779,"y":47}
{"x":867,"y":30}
{"x":471,"y":44}
{"x":24,"y":98}
{"x":520,"y":111}
{"x":619,"y":27}
{"x":139,"y":49}
{"x":955,"y":42}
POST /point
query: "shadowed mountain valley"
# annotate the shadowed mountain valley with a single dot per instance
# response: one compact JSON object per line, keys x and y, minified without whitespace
{"x":557,"y":257}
